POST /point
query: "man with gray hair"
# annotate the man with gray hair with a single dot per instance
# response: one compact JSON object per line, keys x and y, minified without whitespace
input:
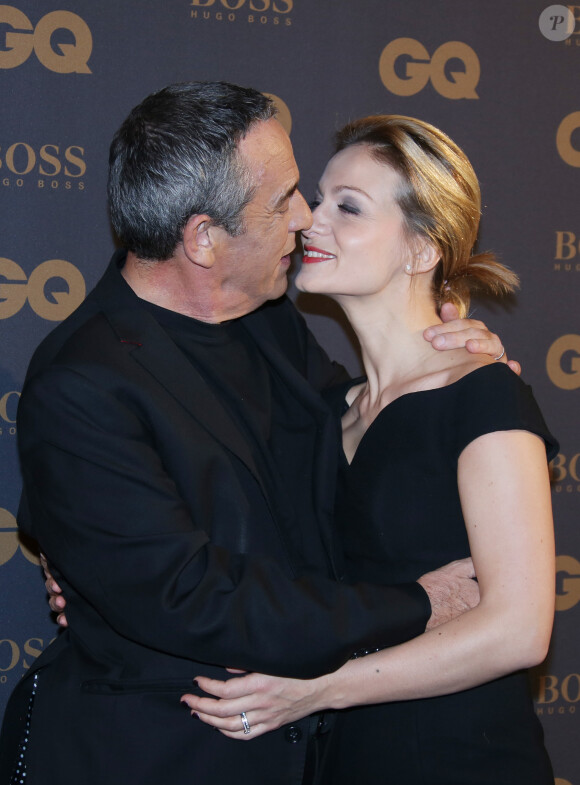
{"x":179,"y":465}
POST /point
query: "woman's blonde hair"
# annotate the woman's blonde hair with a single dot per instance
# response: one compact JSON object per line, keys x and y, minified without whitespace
{"x":440,"y":201}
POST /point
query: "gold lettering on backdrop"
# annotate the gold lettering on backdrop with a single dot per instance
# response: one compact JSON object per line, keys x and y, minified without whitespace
{"x":11,"y":653}
{"x":567,"y":378}
{"x":568,"y":152}
{"x":283,"y":115}
{"x":64,"y":59}
{"x":5,"y":401}
{"x":418,"y":67}
{"x":11,"y":540}
{"x":550,"y":688}
{"x":50,"y":160}
{"x":568,"y":568}
{"x":566,"y":245}
{"x":278,"y":6}
{"x":262,"y":12}
{"x":16,"y":289}
{"x":8,"y":536}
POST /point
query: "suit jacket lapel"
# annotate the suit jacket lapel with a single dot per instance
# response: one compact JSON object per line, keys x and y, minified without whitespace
{"x":328,"y":432}
{"x":153,"y":349}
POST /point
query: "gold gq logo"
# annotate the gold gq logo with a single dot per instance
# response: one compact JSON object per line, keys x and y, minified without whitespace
{"x":417,"y":67}
{"x":18,"y":45}
{"x":568,"y":582}
{"x":568,"y":153}
{"x":563,"y":362}
{"x":10,"y":540}
{"x":17,"y":289}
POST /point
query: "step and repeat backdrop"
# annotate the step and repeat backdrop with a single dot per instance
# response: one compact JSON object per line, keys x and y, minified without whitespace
{"x":501,"y":78}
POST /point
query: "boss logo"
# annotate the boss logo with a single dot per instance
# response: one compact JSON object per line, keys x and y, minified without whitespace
{"x":12,"y":654}
{"x":24,"y":38}
{"x":550,"y":689}
{"x":405,"y":67}
{"x":565,"y":470}
{"x":563,"y":362}
{"x":567,"y":251}
{"x":55,"y":305}
{"x":21,"y":159}
{"x":260,"y":6}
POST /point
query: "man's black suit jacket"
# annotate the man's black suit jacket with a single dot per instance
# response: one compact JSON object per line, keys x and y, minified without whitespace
{"x":175,"y":555}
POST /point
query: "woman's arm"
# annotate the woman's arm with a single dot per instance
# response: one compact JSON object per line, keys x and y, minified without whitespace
{"x":505,"y":495}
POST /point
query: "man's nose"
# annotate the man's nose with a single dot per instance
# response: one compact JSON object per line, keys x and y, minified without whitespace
{"x":301,"y":215}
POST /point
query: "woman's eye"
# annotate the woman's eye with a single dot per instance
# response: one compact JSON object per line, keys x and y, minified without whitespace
{"x":314,"y":204}
{"x":348,"y":208}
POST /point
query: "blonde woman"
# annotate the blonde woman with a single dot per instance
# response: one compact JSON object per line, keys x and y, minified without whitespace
{"x":451,"y":444}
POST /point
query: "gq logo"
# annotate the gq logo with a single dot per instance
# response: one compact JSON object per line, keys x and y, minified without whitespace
{"x":568,"y":153}
{"x":563,"y":362}
{"x":17,"y":289}
{"x":567,"y":582}
{"x":10,"y":540}
{"x":67,"y":59}
{"x":416,"y":67}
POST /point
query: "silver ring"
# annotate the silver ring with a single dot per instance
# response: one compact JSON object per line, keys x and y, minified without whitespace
{"x":501,"y":355}
{"x":245,"y":722}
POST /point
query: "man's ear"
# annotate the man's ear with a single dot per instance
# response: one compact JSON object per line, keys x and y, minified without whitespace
{"x":199,"y":240}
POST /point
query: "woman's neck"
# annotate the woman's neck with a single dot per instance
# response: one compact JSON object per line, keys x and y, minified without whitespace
{"x":390,"y":332}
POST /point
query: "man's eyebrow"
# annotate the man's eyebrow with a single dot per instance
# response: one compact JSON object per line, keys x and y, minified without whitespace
{"x":286,"y":195}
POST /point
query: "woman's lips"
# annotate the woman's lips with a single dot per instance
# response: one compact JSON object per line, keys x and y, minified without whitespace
{"x":313,"y":255}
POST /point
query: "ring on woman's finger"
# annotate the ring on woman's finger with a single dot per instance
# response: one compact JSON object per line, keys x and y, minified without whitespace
{"x":245,"y":722}
{"x":500,"y":355}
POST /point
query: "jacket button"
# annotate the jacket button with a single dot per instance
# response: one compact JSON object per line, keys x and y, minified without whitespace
{"x":293,"y":734}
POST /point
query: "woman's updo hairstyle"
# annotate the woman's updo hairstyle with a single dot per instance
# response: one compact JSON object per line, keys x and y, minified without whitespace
{"x":440,"y":201}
